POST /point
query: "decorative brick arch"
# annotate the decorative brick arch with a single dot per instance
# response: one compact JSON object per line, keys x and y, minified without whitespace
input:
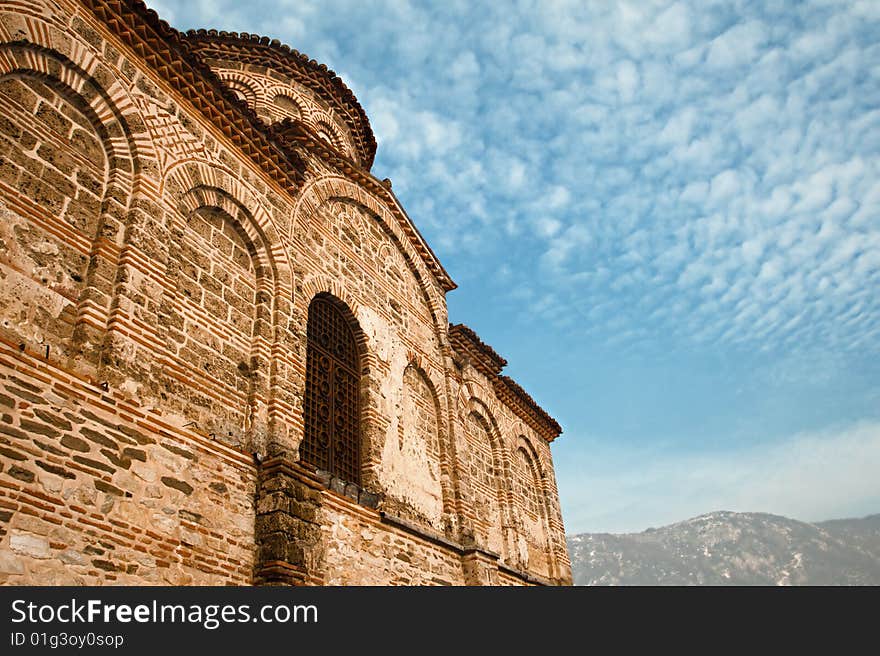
{"x":272,"y":91}
{"x":322,"y":122}
{"x":500,"y":463}
{"x":241,"y":83}
{"x":447,"y":471}
{"x":103,"y":104}
{"x":183,"y":177}
{"x":526,"y":443}
{"x":192,"y":185}
{"x":79,"y":76}
{"x":314,"y":284}
{"x":277,"y":107}
{"x":477,"y":405}
{"x":321,"y":190}
{"x":538,"y":470}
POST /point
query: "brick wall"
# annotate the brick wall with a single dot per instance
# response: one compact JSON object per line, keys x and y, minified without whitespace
{"x":95,"y":489}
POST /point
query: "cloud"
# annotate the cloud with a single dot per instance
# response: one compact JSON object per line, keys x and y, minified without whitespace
{"x":739,"y":45}
{"x":808,"y":476}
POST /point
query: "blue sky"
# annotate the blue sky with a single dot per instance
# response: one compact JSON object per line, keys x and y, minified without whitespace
{"x":665,"y":215}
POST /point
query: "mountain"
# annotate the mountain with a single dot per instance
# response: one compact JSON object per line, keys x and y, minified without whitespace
{"x":727,"y":548}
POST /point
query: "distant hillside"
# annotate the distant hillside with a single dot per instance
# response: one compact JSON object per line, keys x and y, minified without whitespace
{"x":726,"y":548}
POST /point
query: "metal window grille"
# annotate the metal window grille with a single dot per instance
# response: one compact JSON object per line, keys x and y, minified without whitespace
{"x":332,"y":425}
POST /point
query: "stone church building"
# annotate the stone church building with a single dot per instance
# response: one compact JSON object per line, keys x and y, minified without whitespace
{"x":225,"y":356}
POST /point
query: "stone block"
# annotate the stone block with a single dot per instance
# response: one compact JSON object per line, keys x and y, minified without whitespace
{"x":35,"y":546}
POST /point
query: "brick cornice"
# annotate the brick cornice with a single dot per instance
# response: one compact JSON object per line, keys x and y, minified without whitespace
{"x":161,"y":46}
{"x":526,"y":408}
{"x":484,"y":358}
{"x":274,"y":151}
{"x":248,"y":48}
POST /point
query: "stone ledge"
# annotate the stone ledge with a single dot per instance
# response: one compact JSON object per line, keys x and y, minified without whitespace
{"x":525,"y":576}
{"x":418,"y":531}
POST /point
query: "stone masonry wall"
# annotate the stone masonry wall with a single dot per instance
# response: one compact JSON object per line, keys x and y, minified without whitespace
{"x":361,"y":550}
{"x":95,"y":489}
{"x":509,"y":475}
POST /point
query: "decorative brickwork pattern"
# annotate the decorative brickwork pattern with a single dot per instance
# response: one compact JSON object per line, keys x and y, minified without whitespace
{"x":485,"y":476}
{"x":530,"y":515}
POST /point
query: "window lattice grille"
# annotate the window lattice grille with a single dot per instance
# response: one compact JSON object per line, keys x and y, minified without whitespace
{"x":332,"y":435}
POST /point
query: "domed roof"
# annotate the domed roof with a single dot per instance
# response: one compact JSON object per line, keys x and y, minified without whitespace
{"x":261,"y":51}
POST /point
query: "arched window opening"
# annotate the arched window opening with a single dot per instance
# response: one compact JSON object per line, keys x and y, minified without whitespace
{"x":332,"y":421}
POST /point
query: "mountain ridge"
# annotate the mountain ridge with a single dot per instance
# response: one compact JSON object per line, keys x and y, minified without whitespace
{"x":730,"y":548}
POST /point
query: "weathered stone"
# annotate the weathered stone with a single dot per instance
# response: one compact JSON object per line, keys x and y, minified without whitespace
{"x":351,"y":491}
{"x":88,"y":462}
{"x":97,"y":438}
{"x":75,"y":443}
{"x":35,"y":546}
{"x":52,"y":469}
{"x":138,"y":436}
{"x":12,"y":454}
{"x":55,"y":420}
{"x":11,"y":564}
{"x":40,"y":429}
{"x":109,"y":489}
{"x":134,"y":454}
{"x":120,"y":462}
{"x":48,"y":448}
{"x":195,"y":518}
{"x":21,"y":474}
{"x":184,"y":487}
{"x":181,"y":452}
{"x":26,"y":385}
{"x":22,"y":394}
{"x":368,"y":499}
{"x":72,"y":557}
{"x":13,"y":432}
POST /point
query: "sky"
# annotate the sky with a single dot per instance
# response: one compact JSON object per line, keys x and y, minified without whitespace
{"x":664,"y":215}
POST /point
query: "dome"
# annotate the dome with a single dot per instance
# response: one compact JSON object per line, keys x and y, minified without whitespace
{"x":279,"y":83}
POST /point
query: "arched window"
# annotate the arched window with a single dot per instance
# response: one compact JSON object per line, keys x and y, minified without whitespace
{"x":332,"y":422}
